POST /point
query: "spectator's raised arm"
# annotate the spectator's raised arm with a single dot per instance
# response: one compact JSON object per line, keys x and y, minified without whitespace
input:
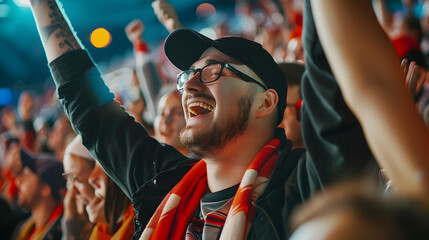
{"x":110,"y":133}
{"x":166,"y":15}
{"x":368,"y":71}
{"x":56,"y":34}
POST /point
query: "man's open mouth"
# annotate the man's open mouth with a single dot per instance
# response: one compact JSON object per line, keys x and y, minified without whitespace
{"x":199,"y":108}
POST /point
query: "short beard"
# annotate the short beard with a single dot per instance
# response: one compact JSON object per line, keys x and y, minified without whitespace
{"x":220,"y":134}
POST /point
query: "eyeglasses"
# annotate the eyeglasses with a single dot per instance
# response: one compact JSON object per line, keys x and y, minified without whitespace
{"x":212,"y":72}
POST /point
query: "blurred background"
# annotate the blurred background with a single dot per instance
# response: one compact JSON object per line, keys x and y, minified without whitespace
{"x":23,"y":64}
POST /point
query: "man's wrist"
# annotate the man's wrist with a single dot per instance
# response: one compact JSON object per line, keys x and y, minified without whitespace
{"x":140,"y":46}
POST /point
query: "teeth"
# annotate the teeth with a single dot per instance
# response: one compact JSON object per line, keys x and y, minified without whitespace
{"x":199,"y":104}
{"x":193,"y":112}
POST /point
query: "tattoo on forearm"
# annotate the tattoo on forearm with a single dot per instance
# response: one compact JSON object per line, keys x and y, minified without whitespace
{"x":47,"y":31}
{"x":59,"y":27}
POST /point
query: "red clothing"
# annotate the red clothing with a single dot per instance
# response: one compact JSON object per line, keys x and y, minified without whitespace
{"x":28,"y":230}
{"x":9,"y":188}
{"x":125,"y":231}
{"x":404,"y":44}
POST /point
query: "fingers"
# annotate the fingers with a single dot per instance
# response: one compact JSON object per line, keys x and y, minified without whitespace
{"x":412,"y":83}
{"x":70,"y":210}
{"x":418,"y":78}
{"x":134,"y":30}
{"x":166,"y":14}
{"x":162,"y":10}
{"x":426,"y":81}
{"x":159,"y":7}
{"x":404,"y":68}
{"x":409,"y":70}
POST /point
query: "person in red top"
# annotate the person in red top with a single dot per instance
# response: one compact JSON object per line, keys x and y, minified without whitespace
{"x":40,"y":190}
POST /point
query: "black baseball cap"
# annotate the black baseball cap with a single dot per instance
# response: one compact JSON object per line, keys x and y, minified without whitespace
{"x":185,"y":46}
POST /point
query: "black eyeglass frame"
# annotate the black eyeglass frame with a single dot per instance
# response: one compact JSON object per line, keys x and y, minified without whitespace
{"x":237,"y":72}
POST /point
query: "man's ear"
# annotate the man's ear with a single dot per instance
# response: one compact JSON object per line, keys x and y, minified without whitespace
{"x":267,"y":103}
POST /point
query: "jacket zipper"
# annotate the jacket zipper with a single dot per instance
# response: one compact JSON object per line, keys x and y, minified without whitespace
{"x":268,"y":217}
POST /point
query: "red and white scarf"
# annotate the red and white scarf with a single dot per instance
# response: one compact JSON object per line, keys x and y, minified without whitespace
{"x":173,"y":215}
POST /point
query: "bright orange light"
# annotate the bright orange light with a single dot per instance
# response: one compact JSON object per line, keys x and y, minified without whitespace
{"x":100,"y":38}
{"x":205,"y":9}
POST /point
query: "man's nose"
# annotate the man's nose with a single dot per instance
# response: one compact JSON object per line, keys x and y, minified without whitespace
{"x":194,"y":84}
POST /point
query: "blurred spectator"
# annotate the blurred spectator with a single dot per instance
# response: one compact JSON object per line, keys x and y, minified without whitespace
{"x":9,"y":121}
{"x":93,"y":197}
{"x":26,"y":110}
{"x":222,"y":29}
{"x":145,"y":77}
{"x":292,"y":10}
{"x":60,"y":135}
{"x":110,"y":209}
{"x":42,"y":126}
{"x":295,"y":49}
{"x":13,"y":158}
{"x":272,"y":32}
{"x":274,"y":41}
{"x":170,"y":120}
{"x":48,"y":113}
{"x":281,"y":29}
{"x":292,"y":115}
{"x":78,"y":165}
{"x":40,"y":191}
{"x":248,"y":23}
{"x":404,"y":29}
{"x":135,"y":105}
{"x":10,"y":167}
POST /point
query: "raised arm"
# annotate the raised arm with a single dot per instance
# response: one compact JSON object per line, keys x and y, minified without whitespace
{"x":382,"y":14}
{"x":134,"y":31}
{"x":56,"y":34}
{"x":166,"y":14}
{"x":368,"y":72}
{"x":121,"y":145}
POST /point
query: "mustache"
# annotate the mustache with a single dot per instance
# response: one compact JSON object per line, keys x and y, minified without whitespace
{"x":199,"y":95}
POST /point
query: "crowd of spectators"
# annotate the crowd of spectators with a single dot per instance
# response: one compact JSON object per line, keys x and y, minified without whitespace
{"x":325,"y":136}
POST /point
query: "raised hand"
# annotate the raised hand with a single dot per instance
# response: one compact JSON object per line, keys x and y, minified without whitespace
{"x":415,"y":77}
{"x":134,"y":30}
{"x":166,"y":15}
{"x":70,"y":202}
{"x":25,"y":106}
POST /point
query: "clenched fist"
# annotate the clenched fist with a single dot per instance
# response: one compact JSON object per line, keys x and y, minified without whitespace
{"x":134,"y":30}
{"x":166,"y":15}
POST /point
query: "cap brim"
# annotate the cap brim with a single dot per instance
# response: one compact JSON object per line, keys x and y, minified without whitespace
{"x":28,"y":161}
{"x":184,"y":46}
